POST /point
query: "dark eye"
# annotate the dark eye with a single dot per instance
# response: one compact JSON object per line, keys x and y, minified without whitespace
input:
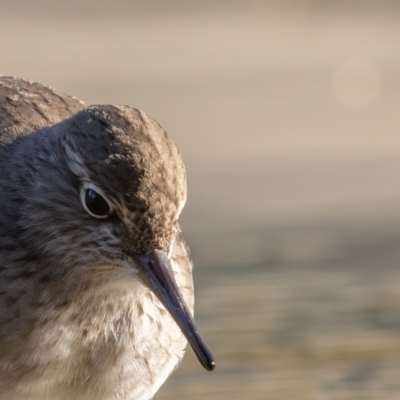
{"x":96,"y":204}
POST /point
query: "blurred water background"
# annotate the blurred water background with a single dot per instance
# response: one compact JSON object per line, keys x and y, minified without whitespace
{"x":287,"y":116}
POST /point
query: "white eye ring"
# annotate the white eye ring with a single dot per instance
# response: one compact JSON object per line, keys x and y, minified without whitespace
{"x":94,"y":201}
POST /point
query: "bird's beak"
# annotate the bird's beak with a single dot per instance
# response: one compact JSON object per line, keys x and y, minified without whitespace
{"x":156,"y":272}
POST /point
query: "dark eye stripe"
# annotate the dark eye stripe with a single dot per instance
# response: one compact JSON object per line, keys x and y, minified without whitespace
{"x":96,"y":203}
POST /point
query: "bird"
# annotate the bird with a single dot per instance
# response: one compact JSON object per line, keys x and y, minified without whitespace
{"x":96,"y":290}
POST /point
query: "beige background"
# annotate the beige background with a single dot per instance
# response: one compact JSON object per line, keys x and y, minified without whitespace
{"x":287,"y":116}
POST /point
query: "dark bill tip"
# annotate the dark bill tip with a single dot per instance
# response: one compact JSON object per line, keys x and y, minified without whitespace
{"x":206,"y":358}
{"x":156,"y":273}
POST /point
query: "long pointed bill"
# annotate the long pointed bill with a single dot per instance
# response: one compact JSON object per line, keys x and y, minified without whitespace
{"x":156,"y":273}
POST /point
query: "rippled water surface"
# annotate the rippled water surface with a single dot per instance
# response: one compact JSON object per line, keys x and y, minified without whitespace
{"x":326,"y":329}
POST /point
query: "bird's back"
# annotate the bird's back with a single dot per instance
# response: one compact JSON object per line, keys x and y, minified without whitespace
{"x":26,"y":106}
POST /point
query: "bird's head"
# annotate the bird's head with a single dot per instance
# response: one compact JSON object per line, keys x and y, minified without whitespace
{"x":107,"y":191}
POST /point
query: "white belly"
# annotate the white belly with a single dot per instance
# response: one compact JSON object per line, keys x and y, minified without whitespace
{"x":115,"y":342}
{"x":115,"y":352}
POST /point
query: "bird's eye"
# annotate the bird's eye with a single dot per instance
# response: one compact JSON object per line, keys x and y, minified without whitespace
{"x":95,"y":204}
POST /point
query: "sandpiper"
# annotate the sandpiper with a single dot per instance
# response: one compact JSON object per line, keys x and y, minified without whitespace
{"x":96,"y":293}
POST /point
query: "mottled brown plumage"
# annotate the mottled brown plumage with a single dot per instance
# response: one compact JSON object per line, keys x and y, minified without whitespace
{"x":26,"y":106}
{"x":88,"y":287}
